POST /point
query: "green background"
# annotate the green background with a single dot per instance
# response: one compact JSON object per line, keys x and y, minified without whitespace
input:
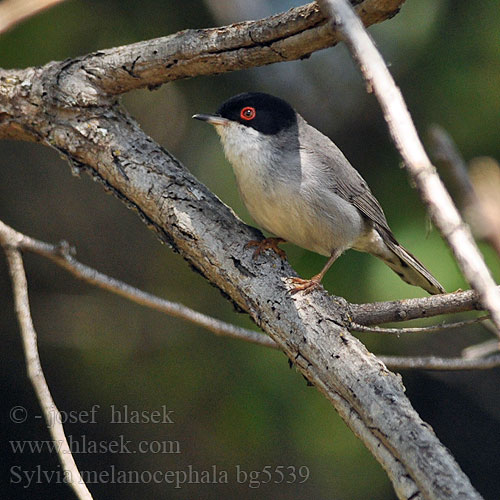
{"x":236,"y":404}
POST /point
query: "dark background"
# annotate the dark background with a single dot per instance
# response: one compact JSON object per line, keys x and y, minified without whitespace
{"x":236,"y":404}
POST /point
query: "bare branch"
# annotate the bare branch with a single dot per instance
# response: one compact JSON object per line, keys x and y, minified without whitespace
{"x":442,"y":210}
{"x":61,"y":255}
{"x":35,"y":372}
{"x":290,"y":35}
{"x":13,"y":12}
{"x":419,"y":329}
{"x":442,"y":364}
{"x":376,"y":313}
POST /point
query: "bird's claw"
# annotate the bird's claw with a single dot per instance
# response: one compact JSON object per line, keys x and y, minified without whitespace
{"x":306,"y":286}
{"x":267,"y":244}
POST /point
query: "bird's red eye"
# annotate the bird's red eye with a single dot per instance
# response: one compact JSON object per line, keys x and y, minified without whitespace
{"x":247,"y":113}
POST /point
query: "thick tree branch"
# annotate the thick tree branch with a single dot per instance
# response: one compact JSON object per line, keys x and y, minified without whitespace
{"x":290,"y":35}
{"x":442,"y":210}
{"x":35,"y":372}
{"x":195,"y":223}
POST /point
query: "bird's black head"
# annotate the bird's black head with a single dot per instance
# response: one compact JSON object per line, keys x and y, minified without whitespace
{"x":263,"y":112}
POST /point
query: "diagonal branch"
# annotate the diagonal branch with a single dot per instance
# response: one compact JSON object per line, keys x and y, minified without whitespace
{"x":35,"y":372}
{"x":62,"y":255}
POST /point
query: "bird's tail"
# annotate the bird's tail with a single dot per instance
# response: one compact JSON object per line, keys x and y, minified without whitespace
{"x":408,"y":267}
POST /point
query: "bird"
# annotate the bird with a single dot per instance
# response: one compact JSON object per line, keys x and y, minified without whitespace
{"x":298,"y":185}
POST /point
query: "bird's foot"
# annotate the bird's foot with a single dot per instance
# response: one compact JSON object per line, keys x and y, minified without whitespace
{"x":306,"y":286}
{"x":265,"y":244}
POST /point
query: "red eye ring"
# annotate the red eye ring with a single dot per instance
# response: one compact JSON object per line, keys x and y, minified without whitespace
{"x":248,"y":113}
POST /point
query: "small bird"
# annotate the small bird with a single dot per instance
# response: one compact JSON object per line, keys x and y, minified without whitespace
{"x":297,"y":184}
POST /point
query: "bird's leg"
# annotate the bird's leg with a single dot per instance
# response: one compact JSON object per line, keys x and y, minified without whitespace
{"x":265,"y":244}
{"x":307,"y":286}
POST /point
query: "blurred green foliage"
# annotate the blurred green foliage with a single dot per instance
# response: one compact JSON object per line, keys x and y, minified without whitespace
{"x":237,"y":404}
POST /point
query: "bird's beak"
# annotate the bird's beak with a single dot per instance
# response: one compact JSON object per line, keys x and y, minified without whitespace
{"x":212,"y":119}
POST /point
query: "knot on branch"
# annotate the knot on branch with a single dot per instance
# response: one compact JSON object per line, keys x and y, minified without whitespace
{"x":64,"y":249}
{"x":69,"y":84}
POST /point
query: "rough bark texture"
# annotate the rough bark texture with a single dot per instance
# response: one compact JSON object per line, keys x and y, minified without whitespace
{"x":63,"y":105}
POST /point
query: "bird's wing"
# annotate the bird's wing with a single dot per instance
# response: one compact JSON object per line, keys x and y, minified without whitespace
{"x":354,"y":189}
{"x":344,"y":180}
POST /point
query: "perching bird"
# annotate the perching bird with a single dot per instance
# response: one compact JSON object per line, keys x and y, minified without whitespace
{"x":297,"y":184}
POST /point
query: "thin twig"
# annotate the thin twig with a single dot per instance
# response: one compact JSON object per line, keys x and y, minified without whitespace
{"x":35,"y":373}
{"x":61,"y":255}
{"x":418,"y":329}
{"x":442,"y":210}
{"x":442,"y":364}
